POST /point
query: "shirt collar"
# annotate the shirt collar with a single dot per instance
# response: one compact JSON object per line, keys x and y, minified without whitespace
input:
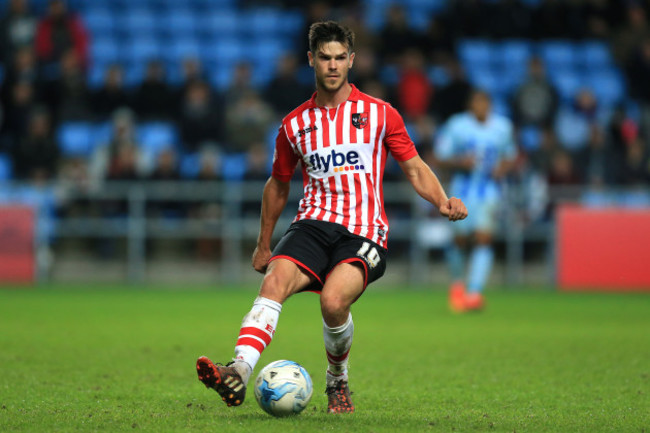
{"x":355,"y":95}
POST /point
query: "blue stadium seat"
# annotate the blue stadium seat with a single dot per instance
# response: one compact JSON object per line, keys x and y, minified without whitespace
{"x":439,"y":76}
{"x":607,"y":85}
{"x":216,"y":4}
{"x":104,"y":51}
{"x":595,"y":54}
{"x":75,"y":139}
{"x":266,"y":52}
{"x":189,"y":165}
{"x":226,"y":51}
{"x":157,"y":136}
{"x":2,"y":74}
{"x":486,"y":79}
{"x":418,"y":19}
{"x":475,"y":53}
{"x":558,"y":54}
{"x":141,"y":50}
{"x":262,"y":22}
{"x":292,"y":22}
{"x":234,"y":166}
{"x":221,"y":23}
{"x":566,"y":81}
{"x":95,"y":75}
{"x":514,"y":52}
{"x":221,"y":76}
{"x":134,"y":73}
{"x":530,"y":138}
{"x":136,"y":23}
{"x":181,"y":48}
{"x":6,"y":168}
{"x":178,"y":23}
{"x":99,"y":21}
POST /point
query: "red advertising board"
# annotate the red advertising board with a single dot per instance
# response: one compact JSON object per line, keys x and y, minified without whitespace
{"x":17,"y":255}
{"x":605,"y":249}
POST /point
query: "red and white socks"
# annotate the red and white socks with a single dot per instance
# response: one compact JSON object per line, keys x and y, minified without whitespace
{"x":257,"y":330}
{"x":338,"y":341}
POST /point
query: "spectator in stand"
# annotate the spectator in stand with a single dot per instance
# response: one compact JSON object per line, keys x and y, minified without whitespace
{"x":580,"y":131}
{"x":59,"y":32}
{"x":468,"y":19}
{"x":535,"y":102}
{"x":17,"y":113}
{"x":452,"y":98}
{"x":285,"y":92}
{"x":112,"y":95}
{"x":631,"y":33}
{"x":17,"y":30}
{"x":154,"y":98}
{"x":22,"y":69}
{"x":68,"y":96}
{"x":396,"y":36}
{"x":638,"y":71}
{"x":110,"y":161}
{"x":561,"y":170}
{"x":200,"y":119}
{"x":36,"y":155}
{"x":628,"y":157}
{"x":437,"y":42}
{"x":365,"y":68}
{"x":166,"y":170}
{"x":257,"y":164}
{"x":247,"y":122}
{"x":414,"y":91}
{"x":192,"y":70}
{"x":241,"y":83}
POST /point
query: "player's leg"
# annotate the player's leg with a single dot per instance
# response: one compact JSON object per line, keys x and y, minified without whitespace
{"x":282,"y":279}
{"x":455,"y":255}
{"x":480,"y":267}
{"x":482,"y":256}
{"x":343,"y":286}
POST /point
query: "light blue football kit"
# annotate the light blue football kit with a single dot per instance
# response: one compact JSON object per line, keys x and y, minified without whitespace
{"x":489,"y":143}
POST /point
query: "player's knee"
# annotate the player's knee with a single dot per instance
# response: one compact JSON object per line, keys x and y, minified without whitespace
{"x":334,"y":306}
{"x":275,"y":287}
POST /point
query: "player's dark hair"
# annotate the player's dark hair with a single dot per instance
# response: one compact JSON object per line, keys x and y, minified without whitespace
{"x":329,"y":31}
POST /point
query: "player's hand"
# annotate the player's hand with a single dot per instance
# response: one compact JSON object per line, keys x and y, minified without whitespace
{"x":454,"y":209}
{"x":261,"y":258}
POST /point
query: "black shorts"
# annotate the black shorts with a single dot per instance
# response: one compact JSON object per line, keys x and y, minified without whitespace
{"x":319,"y":246}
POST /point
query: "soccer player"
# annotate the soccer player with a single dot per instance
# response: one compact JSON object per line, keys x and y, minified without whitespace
{"x":478,"y":147}
{"x":337,"y":243}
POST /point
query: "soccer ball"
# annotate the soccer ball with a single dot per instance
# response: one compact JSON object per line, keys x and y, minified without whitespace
{"x":283,"y":388}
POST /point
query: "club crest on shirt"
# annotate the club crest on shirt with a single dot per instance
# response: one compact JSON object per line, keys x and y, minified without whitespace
{"x":360,"y":120}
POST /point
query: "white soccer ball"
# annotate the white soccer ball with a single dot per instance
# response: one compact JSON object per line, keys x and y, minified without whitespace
{"x":283,"y":388}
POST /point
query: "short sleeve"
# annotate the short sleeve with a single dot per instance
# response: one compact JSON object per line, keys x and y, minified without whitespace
{"x":444,"y":143}
{"x":397,"y":138}
{"x":284,"y":158}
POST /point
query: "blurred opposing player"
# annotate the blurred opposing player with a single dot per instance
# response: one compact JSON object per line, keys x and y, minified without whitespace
{"x":337,"y":243}
{"x":478,"y":147}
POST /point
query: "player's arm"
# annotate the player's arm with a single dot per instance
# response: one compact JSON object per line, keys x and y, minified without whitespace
{"x":274,"y":199}
{"x":427,"y":185}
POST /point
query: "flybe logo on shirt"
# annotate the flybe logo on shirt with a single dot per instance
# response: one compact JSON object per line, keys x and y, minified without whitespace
{"x":331,"y":160}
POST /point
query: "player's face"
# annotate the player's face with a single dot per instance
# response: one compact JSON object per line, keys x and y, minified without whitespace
{"x":331,"y":64}
{"x":480,"y":106}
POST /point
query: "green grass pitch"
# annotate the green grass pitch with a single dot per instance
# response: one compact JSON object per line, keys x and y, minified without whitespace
{"x":122,"y":359}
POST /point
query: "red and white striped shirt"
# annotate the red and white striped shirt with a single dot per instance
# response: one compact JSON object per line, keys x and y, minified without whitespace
{"x":343,"y":152}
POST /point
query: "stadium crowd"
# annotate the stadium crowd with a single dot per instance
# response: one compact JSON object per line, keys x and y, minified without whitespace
{"x":423,"y":59}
